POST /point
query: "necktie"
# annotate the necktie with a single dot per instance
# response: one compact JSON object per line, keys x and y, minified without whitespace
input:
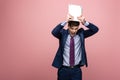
{"x":72,"y":51}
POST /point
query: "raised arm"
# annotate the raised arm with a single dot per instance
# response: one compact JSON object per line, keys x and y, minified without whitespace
{"x":92,"y":29}
{"x":57,"y":30}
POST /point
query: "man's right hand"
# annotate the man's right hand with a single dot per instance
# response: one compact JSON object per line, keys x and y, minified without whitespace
{"x":69,"y":17}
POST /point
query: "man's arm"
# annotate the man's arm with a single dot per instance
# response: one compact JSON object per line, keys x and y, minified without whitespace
{"x":92,"y":29}
{"x":57,"y":30}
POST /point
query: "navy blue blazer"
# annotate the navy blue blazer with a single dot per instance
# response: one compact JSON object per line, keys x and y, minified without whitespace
{"x":62,"y":34}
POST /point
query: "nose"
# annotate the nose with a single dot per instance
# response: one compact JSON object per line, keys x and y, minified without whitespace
{"x":74,"y":31}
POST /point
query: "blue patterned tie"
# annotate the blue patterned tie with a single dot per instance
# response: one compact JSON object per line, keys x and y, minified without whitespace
{"x":72,"y":51}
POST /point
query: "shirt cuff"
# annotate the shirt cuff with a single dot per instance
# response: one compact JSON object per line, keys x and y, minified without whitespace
{"x":63,"y":23}
{"x":86,"y":23}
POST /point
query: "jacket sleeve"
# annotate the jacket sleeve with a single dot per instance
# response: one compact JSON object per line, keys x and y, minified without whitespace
{"x":92,"y":29}
{"x":57,"y":31}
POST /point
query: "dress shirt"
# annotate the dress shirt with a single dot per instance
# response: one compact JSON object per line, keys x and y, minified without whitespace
{"x":66,"y":54}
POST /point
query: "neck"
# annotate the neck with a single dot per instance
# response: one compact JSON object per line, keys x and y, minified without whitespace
{"x":72,"y":35}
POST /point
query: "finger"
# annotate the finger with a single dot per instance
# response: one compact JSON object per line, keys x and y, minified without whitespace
{"x":81,"y":15}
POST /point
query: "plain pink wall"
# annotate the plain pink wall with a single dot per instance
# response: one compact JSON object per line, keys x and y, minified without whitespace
{"x":27,"y":47}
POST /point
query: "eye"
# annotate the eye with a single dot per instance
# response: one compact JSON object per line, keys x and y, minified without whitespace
{"x":72,"y":28}
{"x":76,"y":28}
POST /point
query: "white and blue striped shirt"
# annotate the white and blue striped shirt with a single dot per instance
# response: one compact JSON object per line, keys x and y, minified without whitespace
{"x":66,"y":54}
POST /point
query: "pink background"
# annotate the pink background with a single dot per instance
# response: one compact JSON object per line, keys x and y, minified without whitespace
{"x":27,"y":47}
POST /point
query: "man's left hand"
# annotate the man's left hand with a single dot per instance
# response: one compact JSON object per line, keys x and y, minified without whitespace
{"x":82,"y":19}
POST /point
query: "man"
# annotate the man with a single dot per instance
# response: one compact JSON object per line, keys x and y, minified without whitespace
{"x":71,"y":54}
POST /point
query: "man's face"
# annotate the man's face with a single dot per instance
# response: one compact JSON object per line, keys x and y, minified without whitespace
{"x":73,"y":30}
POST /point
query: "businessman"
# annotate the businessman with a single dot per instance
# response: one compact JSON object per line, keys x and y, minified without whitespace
{"x":71,"y":54}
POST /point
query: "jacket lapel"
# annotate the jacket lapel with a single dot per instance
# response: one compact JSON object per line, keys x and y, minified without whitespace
{"x":65,"y":35}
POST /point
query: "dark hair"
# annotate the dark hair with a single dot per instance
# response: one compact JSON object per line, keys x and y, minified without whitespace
{"x":73,"y":23}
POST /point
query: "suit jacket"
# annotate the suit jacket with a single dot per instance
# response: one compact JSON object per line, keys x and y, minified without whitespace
{"x":62,"y":34}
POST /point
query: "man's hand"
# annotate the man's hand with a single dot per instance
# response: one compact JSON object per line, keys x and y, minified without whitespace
{"x":69,"y":17}
{"x":82,"y":19}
